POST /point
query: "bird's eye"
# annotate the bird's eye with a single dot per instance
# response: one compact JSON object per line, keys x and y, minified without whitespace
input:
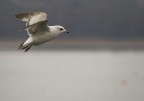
{"x":61,"y":29}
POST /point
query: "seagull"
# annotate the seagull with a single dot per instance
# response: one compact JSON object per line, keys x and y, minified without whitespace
{"x":38,"y":30}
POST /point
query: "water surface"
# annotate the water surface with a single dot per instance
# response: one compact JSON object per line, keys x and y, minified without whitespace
{"x":50,"y":75}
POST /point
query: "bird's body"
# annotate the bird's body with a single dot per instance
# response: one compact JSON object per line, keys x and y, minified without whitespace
{"x":42,"y":37}
{"x":38,"y":30}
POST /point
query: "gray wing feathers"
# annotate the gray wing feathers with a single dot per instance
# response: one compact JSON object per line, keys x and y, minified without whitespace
{"x":37,"y":27}
{"x":27,"y":16}
{"x":35,"y":21}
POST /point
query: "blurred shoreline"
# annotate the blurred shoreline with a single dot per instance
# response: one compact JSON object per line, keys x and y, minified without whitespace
{"x":79,"y":44}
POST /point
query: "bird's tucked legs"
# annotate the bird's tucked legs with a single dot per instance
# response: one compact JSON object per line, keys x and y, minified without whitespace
{"x":22,"y":47}
{"x":27,"y":48}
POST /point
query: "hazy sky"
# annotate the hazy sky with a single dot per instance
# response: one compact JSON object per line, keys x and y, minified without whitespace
{"x":83,"y":18}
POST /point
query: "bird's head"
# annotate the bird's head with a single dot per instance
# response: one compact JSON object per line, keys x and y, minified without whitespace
{"x":61,"y":29}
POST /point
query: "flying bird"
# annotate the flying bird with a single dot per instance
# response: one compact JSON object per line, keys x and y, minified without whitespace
{"x":38,"y":30}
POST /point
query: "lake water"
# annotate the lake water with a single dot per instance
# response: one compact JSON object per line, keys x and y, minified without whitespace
{"x":50,"y":75}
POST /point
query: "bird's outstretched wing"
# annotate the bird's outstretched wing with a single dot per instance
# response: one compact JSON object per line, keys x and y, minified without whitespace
{"x":37,"y":27}
{"x":35,"y":21}
{"x":27,"y":16}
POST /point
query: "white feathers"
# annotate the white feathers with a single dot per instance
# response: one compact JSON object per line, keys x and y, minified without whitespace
{"x":37,"y":29}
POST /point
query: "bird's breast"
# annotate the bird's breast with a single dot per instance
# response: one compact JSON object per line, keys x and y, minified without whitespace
{"x":42,"y":38}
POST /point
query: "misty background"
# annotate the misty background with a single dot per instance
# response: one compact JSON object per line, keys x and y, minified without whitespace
{"x":117,"y":19}
{"x":102,"y":59}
